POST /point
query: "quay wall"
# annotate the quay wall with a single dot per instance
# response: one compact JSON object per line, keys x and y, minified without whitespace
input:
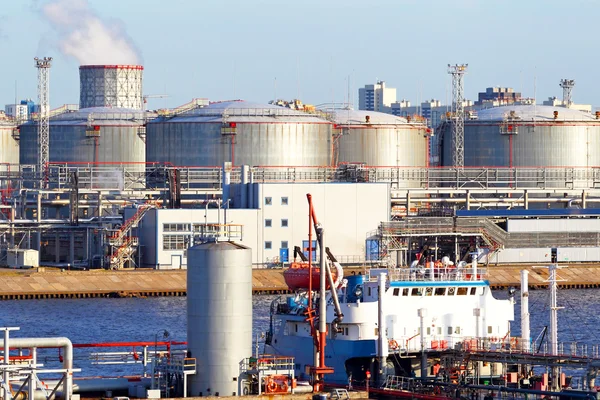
{"x":45,"y":283}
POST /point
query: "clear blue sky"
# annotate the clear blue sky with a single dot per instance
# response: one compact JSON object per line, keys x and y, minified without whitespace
{"x":225,"y":49}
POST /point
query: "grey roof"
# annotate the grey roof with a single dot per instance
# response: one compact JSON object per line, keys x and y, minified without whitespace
{"x":352,"y":117}
{"x":528,"y":112}
{"x":244,"y":111}
{"x":102,"y":116}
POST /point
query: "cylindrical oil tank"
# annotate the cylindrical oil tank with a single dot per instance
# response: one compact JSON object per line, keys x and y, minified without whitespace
{"x":527,"y":136}
{"x":378,"y":139}
{"x":106,"y":136}
{"x":9,"y":143}
{"x":219,"y":315}
{"x":240,"y":132}
{"x":111,"y":86}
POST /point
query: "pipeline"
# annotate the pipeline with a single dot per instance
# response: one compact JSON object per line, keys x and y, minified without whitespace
{"x":61,"y":342}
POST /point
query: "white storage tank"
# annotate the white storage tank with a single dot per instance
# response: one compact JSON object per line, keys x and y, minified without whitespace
{"x":219,"y":315}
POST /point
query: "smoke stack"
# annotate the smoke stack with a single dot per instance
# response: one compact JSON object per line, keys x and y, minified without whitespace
{"x":117,"y":86}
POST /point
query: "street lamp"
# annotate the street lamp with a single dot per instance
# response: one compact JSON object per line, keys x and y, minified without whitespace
{"x":165,"y":334}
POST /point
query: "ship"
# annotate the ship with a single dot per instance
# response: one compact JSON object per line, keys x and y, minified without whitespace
{"x":437,"y":324}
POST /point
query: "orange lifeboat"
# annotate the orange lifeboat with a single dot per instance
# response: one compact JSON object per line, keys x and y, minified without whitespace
{"x":296,"y":276}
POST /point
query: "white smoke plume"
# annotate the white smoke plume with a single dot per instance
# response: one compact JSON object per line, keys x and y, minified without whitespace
{"x":87,"y":37}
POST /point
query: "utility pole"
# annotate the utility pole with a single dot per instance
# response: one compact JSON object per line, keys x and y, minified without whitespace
{"x":43,"y":65}
{"x":458,"y":114}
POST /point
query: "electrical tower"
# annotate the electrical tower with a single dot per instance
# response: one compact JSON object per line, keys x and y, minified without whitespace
{"x":567,"y":86}
{"x":458,"y":113}
{"x":43,"y":65}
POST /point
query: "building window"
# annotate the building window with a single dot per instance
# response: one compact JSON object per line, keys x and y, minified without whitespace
{"x":268,"y":245}
{"x":268,"y":223}
{"x":175,"y":242}
{"x":177,"y":227}
{"x":268,"y":201}
{"x":284,"y":223}
{"x":284,"y":244}
{"x":284,"y":201}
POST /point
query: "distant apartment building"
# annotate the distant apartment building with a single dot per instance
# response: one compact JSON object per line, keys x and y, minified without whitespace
{"x":22,"y":110}
{"x":500,"y":95}
{"x":555,"y":102}
{"x":432,"y":110}
{"x":376,"y":97}
{"x":17,"y":111}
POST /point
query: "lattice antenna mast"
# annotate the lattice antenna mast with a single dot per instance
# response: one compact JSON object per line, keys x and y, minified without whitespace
{"x":43,"y":65}
{"x":458,"y":113}
{"x":567,"y":86}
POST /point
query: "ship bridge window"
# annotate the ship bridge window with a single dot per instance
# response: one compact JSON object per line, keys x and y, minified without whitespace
{"x":405,"y":292}
{"x":473,"y":291}
{"x":396,"y":291}
{"x":428,"y":291}
{"x":417,"y":291}
{"x":462,"y":291}
{"x":441,"y":291}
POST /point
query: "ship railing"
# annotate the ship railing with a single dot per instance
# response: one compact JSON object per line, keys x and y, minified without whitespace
{"x":393,"y":382}
{"x":513,"y":344}
{"x":422,"y":274}
{"x":267,"y":362}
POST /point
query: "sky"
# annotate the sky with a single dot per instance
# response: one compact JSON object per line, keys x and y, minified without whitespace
{"x":320,"y":51}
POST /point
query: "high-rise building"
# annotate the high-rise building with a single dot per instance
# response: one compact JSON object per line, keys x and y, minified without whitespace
{"x":17,"y":111}
{"x":376,"y":97}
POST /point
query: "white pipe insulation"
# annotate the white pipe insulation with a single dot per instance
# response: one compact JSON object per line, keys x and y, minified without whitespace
{"x":62,"y":342}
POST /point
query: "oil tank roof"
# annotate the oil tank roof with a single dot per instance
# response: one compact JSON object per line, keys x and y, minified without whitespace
{"x":101,"y":116}
{"x":245,"y":111}
{"x":532,"y":112}
{"x":220,"y":245}
{"x":359,"y":117}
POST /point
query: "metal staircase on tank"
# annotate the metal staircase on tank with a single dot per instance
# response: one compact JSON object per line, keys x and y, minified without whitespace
{"x":122,"y":245}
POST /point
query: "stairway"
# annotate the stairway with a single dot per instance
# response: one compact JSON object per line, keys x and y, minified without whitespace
{"x":123,"y":246}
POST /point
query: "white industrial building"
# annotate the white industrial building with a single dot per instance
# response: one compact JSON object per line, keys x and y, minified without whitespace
{"x":349,"y":213}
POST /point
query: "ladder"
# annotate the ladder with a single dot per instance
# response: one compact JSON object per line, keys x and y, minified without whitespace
{"x":340,"y":394}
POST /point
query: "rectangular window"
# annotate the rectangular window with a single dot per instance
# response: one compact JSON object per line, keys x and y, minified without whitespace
{"x":439,"y":330}
{"x":449,"y":330}
{"x":457,"y":330}
{"x":428,"y":291}
{"x":440,"y":291}
{"x":268,"y":245}
{"x":268,"y":201}
{"x":396,"y":291}
{"x":177,"y":227}
{"x":473,"y":291}
{"x":284,"y":244}
{"x":405,"y":292}
{"x":462,"y":291}
{"x":284,"y":223}
{"x":428,"y":330}
{"x":284,"y":201}
{"x":268,"y":223}
{"x":175,"y":242}
{"x":417,"y":292}
{"x":490,"y":329}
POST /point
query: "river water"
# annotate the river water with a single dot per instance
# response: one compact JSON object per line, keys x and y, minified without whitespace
{"x":140,"y":319}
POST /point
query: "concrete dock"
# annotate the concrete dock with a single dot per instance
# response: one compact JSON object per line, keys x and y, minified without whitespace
{"x":46,"y":283}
